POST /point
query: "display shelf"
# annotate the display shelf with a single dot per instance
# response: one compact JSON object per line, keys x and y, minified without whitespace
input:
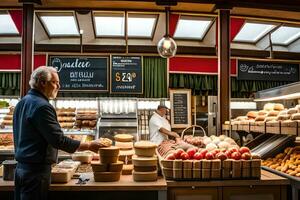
{"x":6,"y":131}
{"x":79,"y":132}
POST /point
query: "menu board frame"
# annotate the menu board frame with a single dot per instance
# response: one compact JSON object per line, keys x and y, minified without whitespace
{"x":82,"y":57}
{"x":186,"y":92}
{"x":111,"y":75}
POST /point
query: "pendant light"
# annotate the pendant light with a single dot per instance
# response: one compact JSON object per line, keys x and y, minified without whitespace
{"x":167,"y":47}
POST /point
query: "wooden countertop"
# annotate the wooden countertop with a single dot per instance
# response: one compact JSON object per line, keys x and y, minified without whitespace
{"x":267,"y":178}
{"x":126,"y":183}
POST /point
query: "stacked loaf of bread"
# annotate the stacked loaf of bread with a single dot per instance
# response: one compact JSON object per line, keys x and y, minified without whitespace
{"x":66,"y":117}
{"x":109,"y":168}
{"x":144,"y":161}
{"x":125,"y":143}
{"x":86,"y":118}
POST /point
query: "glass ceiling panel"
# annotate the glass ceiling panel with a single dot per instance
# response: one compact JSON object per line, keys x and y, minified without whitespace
{"x":7,"y":25}
{"x":109,"y":26}
{"x":284,"y":35}
{"x":60,"y":25}
{"x":191,"y":29}
{"x":251,"y":32}
{"x":141,"y":26}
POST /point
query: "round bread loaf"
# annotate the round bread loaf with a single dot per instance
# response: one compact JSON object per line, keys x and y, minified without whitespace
{"x":123,"y":137}
{"x":278,"y":106}
{"x":144,"y":148}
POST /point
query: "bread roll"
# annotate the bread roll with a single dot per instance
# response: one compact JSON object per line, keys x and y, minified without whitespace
{"x":262,"y":112}
{"x":273,"y":113}
{"x":283,"y":112}
{"x":269,"y":106}
{"x":252,"y":114}
{"x":292,"y":111}
{"x":260,"y":118}
{"x":283,"y":117}
{"x":295,"y":116}
{"x":267,"y":119}
{"x":278,"y":106}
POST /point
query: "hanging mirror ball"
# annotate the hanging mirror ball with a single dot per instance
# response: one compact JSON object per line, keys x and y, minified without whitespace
{"x":167,"y":47}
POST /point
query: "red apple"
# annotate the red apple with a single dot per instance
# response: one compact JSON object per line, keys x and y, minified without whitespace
{"x":209,"y":156}
{"x":228,"y":154}
{"x":244,"y":150}
{"x":198,"y":156}
{"x":236,"y":156}
{"x":203,"y":152}
{"x":215,"y":151}
{"x":185,"y":156}
{"x":170,"y":157}
{"x":221,"y":156}
{"x":191,"y":152}
{"x":178,"y":153}
{"x":246,"y":156}
{"x":233,"y":149}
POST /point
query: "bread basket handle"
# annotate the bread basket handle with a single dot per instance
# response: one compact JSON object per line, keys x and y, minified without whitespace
{"x":194,"y":127}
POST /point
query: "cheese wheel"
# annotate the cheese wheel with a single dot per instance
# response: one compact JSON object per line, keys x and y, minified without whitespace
{"x":144,"y":176}
{"x":109,"y":151}
{"x":144,"y":148}
{"x":127,"y":169}
{"x":144,"y":161}
{"x":107,"y":176}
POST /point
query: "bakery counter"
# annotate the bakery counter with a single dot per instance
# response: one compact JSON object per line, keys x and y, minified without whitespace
{"x":269,"y":186}
{"x":125,"y":188}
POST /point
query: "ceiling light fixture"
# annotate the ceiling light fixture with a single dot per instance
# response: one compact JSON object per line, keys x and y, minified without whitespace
{"x":167,"y":47}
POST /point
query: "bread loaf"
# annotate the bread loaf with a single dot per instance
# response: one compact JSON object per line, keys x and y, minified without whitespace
{"x":295,"y":116}
{"x":262,"y":112}
{"x":252,"y":114}
{"x":283,"y":117}
{"x":260,"y":118}
{"x":273,"y":113}
{"x":278,"y":106}
{"x":292,"y":111}
{"x":269,"y":106}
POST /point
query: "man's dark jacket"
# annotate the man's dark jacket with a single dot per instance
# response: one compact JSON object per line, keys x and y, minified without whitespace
{"x":37,"y":133}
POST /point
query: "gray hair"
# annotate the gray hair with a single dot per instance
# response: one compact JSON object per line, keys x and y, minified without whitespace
{"x":41,"y":74}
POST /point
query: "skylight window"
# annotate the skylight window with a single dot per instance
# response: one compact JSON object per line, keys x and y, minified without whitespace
{"x":284,"y":35}
{"x":60,"y":25}
{"x":252,"y":32}
{"x":189,"y":28}
{"x":141,"y":26}
{"x":7,"y":25}
{"x":109,"y":25}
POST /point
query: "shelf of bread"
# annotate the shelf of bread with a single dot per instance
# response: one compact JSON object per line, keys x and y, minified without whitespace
{"x":78,"y":120}
{"x":285,"y":162}
{"x":213,"y":158}
{"x":6,"y":142}
{"x":6,"y":118}
{"x":274,"y":118}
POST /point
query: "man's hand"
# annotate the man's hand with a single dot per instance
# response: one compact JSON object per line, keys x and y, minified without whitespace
{"x":95,"y":146}
{"x":174,"y":134}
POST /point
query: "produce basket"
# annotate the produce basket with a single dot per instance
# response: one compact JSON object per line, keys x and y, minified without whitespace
{"x":193,"y":127}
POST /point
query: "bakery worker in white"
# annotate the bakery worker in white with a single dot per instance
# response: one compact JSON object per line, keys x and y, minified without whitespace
{"x":159,"y":126}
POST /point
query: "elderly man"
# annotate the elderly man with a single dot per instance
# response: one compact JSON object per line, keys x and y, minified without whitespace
{"x":38,"y":136}
{"x":159,"y":126}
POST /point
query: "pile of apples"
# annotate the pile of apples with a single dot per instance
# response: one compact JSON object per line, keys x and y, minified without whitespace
{"x":222,"y":154}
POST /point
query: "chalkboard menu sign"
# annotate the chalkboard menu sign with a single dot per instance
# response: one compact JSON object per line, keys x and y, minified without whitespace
{"x":126,"y":75}
{"x":270,"y":71}
{"x":81,"y":73}
{"x":180,"y":108}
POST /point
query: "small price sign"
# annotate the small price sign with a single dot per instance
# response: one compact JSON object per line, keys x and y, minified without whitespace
{"x":126,"y":74}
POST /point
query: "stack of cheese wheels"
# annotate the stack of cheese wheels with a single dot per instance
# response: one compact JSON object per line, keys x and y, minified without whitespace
{"x":109,"y":169}
{"x":125,"y":143}
{"x":144,"y":161}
